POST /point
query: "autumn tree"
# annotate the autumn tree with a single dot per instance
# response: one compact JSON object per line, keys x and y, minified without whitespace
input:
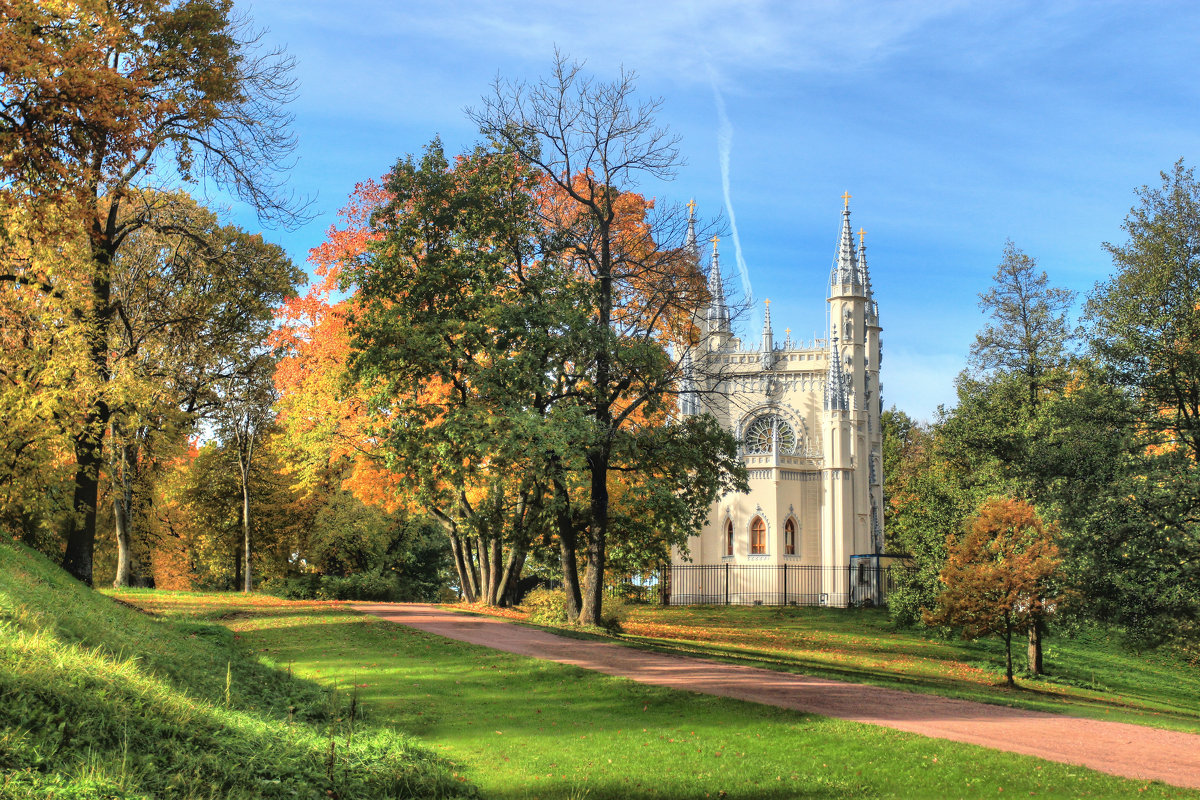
{"x":195,"y":300}
{"x":591,"y":143}
{"x":999,"y":576}
{"x":96,"y":100}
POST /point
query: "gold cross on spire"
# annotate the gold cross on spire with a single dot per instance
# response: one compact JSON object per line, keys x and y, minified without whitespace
{"x":768,"y":302}
{"x":861,"y":234}
{"x":714,"y":240}
{"x":788,"y":331}
{"x":691,"y":204}
{"x":846,"y":198}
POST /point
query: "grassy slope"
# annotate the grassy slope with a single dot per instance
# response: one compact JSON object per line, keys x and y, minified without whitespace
{"x":98,"y":700}
{"x":531,"y":729}
{"x":1091,"y":675}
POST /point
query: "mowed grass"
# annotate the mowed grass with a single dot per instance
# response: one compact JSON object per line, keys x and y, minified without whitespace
{"x":1090,"y":675}
{"x":524,"y":729}
{"x":100,"y":701}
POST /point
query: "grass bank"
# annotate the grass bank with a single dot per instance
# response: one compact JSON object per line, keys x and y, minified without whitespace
{"x":533,"y":730}
{"x":99,"y":700}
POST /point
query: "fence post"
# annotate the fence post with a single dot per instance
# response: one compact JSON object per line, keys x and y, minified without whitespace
{"x":664,"y":585}
{"x":727,"y":584}
{"x":785,"y":597}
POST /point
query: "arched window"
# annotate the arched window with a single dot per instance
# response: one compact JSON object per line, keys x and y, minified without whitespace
{"x":758,"y":537}
{"x":728,"y":537}
{"x":789,"y":537}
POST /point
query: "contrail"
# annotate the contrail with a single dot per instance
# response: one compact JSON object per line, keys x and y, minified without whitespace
{"x":724,"y":146}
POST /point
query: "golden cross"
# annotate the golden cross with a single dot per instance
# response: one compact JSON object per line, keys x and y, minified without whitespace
{"x":768,"y":301}
{"x":846,"y":198}
{"x":861,"y":234}
{"x":788,"y":331}
{"x":691,"y":204}
{"x":714,"y":240}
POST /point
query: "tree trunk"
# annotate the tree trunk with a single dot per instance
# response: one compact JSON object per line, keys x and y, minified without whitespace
{"x":1034,"y":652}
{"x":464,"y":584}
{"x":507,"y":591}
{"x":89,"y":443}
{"x":124,"y":477}
{"x":566,"y":550}
{"x":124,"y":574}
{"x":247,"y":578}
{"x":593,"y":580}
{"x":496,"y":560}
{"x":81,"y":529}
{"x":1008,"y":668}
{"x":485,"y":569}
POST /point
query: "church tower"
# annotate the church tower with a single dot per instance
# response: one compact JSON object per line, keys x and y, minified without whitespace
{"x":806,"y":415}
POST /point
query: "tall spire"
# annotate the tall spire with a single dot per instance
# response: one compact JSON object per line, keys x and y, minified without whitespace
{"x":690,"y":242}
{"x":836,"y":395}
{"x":768,"y":337}
{"x":845,"y":265}
{"x":872,"y":306}
{"x":718,"y":314}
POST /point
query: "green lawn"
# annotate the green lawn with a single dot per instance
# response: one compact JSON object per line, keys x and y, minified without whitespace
{"x":521,"y":728}
{"x":1090,"y":675}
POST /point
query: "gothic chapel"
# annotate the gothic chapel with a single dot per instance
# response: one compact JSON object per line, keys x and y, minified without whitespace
{"x":807,"y":415}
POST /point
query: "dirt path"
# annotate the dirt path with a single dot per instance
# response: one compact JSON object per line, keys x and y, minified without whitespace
{"x":1131,"y":751}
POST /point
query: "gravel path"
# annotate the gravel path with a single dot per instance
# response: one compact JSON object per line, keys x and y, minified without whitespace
{"x":1131,"y":751}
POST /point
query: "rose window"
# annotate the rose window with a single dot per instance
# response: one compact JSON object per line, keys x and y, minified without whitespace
{"x":765,"y":431}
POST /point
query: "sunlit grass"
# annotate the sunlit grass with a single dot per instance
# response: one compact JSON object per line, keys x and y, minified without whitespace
{"x":100,"y":701}
{"x":523,"y":728}
{"x":1089,"y":674}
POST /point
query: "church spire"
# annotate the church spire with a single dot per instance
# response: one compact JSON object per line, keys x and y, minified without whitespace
{"x":768,"y":337}
{"x":872,"y":306}
{"x":845,"y":266}
{"x":836,"y":394}
{"x":718,"y":314}
{"x":690,"y":242}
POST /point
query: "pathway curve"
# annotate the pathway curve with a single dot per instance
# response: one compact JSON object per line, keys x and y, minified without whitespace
{"x":1131,"y":751}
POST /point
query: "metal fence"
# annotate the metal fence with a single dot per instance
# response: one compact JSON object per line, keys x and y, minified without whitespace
{"x":762,"y":584}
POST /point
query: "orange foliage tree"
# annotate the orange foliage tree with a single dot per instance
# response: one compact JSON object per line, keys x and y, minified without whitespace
{"x":999,"y":577}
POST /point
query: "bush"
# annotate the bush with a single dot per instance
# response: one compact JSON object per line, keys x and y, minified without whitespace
{"x":549,"y":607}
{"x":546,"y":606}
{"x":375,"y":585}
{"x":293,"y":587}
{"x":614,"y":611}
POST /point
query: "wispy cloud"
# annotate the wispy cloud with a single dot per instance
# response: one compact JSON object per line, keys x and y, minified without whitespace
{"x":724,"y":149}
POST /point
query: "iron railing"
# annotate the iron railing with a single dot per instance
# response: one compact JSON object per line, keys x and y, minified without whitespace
{"x":761,"y":584}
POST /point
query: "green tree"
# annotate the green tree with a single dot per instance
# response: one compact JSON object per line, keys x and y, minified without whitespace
{"x":1144,"y":326}
{"x":1028,"y":336}
{"x":97,"y":100}
{"x":591,"y":143}
{"x":998,"y":577}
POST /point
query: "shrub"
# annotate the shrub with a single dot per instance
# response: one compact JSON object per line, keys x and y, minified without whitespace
{"x":614,"y":612}
{"x":546,"y":606}
{"x":293,"y":587}
{"x":374,"y":585}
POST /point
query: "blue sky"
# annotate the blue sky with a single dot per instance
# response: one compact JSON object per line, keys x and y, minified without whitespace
{"x":954,"y":125}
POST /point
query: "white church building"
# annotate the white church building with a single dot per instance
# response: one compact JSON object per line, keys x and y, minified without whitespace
{"x":807,"y":416}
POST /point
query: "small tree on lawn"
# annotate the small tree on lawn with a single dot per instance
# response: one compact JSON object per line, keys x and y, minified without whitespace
{"x":998,"y":577}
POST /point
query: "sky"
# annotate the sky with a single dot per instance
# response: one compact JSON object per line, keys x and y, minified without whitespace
{"x":954,"y":126}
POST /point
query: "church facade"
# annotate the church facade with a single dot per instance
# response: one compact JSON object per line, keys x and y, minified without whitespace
{"x":807,"y":417}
